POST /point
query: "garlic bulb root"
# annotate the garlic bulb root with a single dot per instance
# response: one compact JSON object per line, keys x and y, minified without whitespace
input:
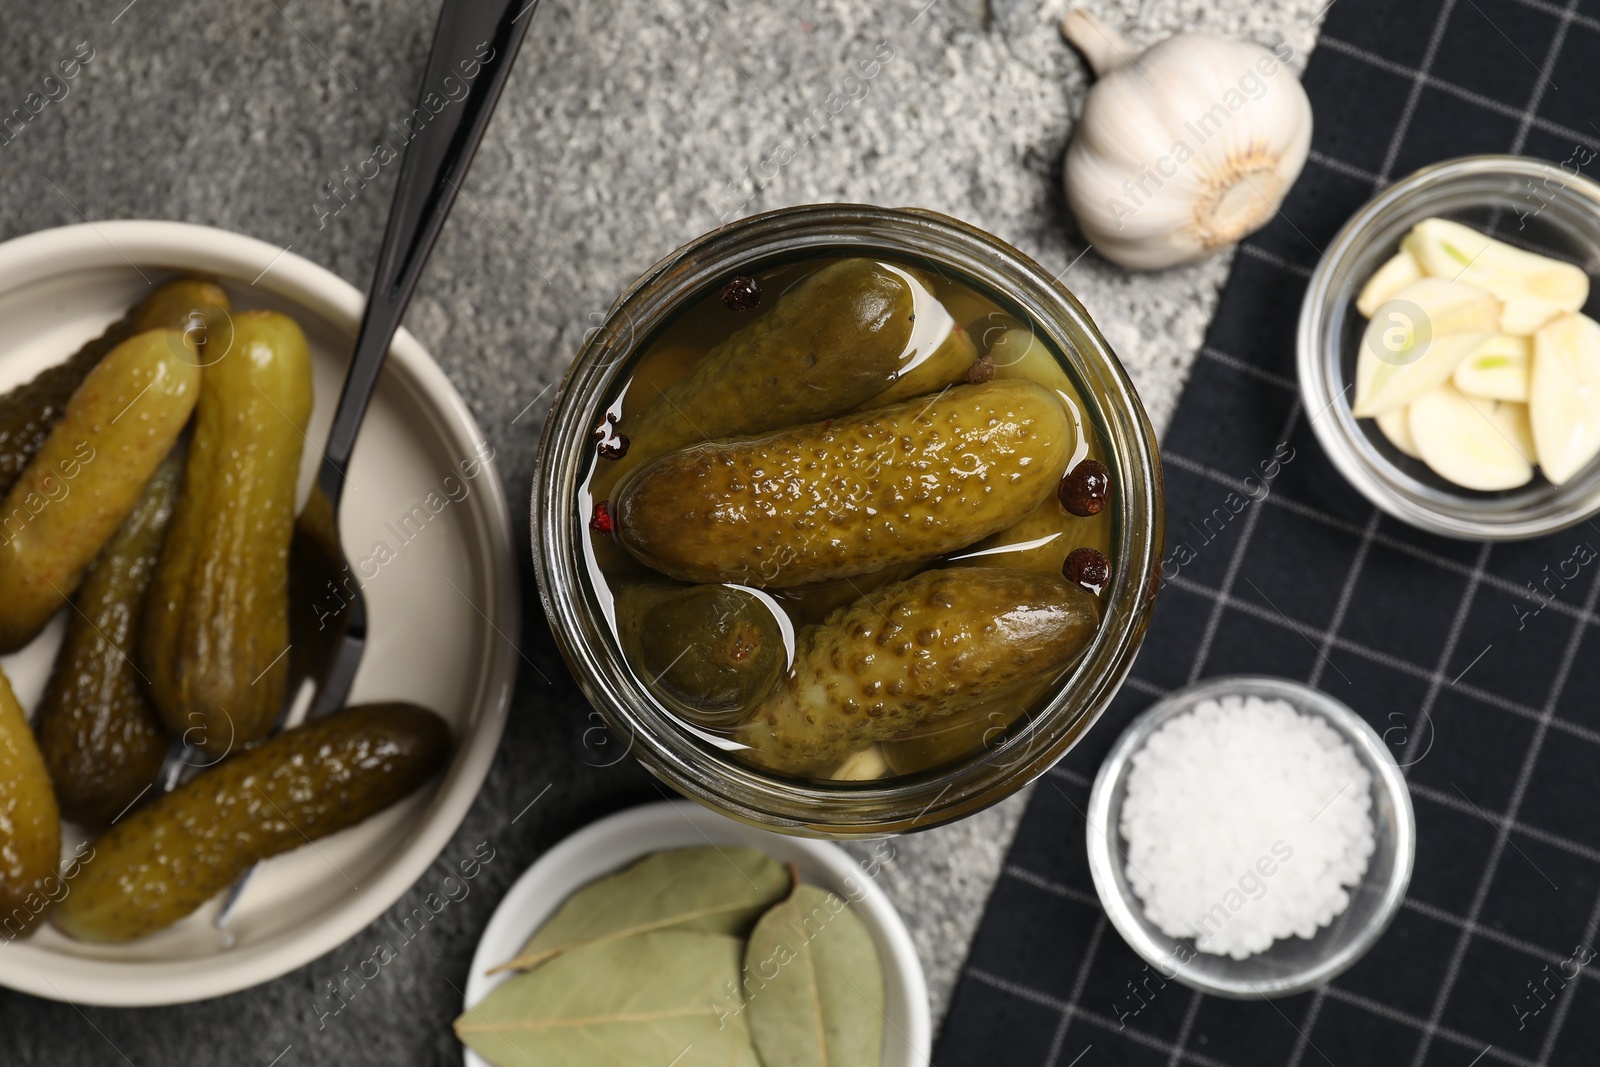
{"x":1184,"y":148}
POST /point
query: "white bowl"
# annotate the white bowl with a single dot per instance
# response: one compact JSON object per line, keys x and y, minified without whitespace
{"x":450,"y":649}
{"x":616,"y":841}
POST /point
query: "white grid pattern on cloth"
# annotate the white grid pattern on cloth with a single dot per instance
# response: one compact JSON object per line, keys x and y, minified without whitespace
{"x":1314,"y":1009}
{"x":1563,"y":24}
{"x":1077,"y":1011}
{"x":1177,"y":1054}
{"x":1497,"y":848}
{"x":1537,"y":953}
{"x":1419,"y":78}
{"x":1368,"y":533}
{"x":1237,"y":561}
{"x":1081,"y":979}
{"x":1506,"y":822}
{"x":1289,"y":504}
{"x":1488,"y":103}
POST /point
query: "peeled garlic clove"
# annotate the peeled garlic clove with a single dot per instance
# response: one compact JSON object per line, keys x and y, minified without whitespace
{"x":863,"y":766}
{"x":1522,"y":316}
{"x":1395,"y":424}
{"x":1515,"y":422}
{"x":1415,"y":341}
{"x":1564,"y":395}
{"x":1387,"y":281}
{"x":1466,"y":441}
{"x":1450,"y":250}
{"x":1497,"y":369}
{"x":1183,"y":148}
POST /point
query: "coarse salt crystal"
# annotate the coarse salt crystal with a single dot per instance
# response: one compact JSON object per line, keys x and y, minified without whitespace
{"x":1245,"y":822}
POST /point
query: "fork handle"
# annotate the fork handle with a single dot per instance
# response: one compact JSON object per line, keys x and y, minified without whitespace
{"x":474,"y":45}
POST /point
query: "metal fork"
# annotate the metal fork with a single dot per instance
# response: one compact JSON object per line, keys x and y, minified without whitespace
{"x":327,"y":612}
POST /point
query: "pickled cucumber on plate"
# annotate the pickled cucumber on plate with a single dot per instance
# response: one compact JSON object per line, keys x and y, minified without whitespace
{"x":75,"y":492}
{"x":165,"y":859}
{"x":28,"y":412}
{"x":850,"y":495}
{"x":101,"y":738}
{"x":931,"y":646}
{"x":834,"y":341}
{"x":709,"y":651}
{"x":30,"y":826}
{"x":216,"y":624}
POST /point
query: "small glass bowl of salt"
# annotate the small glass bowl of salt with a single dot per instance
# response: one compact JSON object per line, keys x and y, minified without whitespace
{"x":1250,"y":837}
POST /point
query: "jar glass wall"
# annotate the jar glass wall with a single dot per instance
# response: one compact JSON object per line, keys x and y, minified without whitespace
{"x":698,"y":763}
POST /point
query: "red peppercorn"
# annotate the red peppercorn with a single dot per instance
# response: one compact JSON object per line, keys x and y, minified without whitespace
{"x":741,"y":294}
{"x":1085,"y":488}
{"x":602,"y":522}
{"x":1089,"y":568}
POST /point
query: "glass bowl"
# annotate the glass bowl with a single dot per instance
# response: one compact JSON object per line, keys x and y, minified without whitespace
{"x":1535,"y":205}
{"x":1288,"y":966}
{"x":698,"y":764}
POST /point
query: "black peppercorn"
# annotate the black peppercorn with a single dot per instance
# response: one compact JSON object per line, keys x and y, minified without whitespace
{"x":741,"y":294}
{"x":1085,"y":488}
{"x":1089,"y":568}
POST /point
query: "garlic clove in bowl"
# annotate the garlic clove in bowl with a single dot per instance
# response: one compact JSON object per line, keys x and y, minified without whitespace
{"x":1182,"y":149}
{"x":1564,"y":395}
{"x":1417,"y":339}
{"x":1448,"y":249}
{"x":1477,"y":444}
{"x":1387,"y":281}
{"x":1497,"y":369}
{"x":1395,"y":424}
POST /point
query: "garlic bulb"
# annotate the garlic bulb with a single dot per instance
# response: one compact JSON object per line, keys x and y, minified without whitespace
{"x":1184,"y":149}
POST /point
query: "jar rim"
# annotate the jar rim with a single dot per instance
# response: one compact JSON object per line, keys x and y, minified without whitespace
{"x":660,"y":740}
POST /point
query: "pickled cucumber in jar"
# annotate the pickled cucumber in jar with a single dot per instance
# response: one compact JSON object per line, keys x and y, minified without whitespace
{"x":850,"y":333}
{"x":838,"y":563}
{"x":710,"y":651}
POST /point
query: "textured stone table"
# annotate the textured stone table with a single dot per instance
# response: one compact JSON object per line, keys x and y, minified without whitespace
{"x":626,"y":129}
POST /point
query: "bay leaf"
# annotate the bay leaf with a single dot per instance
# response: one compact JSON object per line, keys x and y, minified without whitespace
{"x":667,"y":997}
{"x":712,"y":890}
{"x":813,"y":984}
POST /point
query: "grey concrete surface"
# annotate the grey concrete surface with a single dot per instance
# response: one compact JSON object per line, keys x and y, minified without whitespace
{"x":627,"y":129}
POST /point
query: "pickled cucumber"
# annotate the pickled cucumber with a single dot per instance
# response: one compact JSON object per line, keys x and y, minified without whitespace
{"x":816,"y":601}
{"x":851,"y":495}
{"x":101,"y":738}
{"x":28,"y":412}
{"x":216,"y":625}
{"x":162,"y":861}
{"x":981,"y":727}
{"x":1041,"y":539}
{"x":75,"y":492}
{"x":830,"y":344}
{"x":30,"y":827}
{"x":928,"y":647}
{"x":709,"y":651}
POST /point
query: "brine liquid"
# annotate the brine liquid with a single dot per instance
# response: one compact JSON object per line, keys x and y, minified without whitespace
{"x":1038,"y":540}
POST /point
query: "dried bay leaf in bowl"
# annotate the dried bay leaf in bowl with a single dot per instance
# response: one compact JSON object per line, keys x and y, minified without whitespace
{"x":668,"y":996}
{"x":813,"y":984}
{"x":710,"y":890}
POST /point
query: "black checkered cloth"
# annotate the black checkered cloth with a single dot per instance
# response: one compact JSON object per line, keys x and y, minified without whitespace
{"x":1496,"y":710}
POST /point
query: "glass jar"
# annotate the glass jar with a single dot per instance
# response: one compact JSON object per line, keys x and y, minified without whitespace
{"x":691,"y":760}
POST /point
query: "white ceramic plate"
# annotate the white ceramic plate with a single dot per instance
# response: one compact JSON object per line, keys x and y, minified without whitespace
{"x":444,"y":610}
{"x":615,"y":842}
